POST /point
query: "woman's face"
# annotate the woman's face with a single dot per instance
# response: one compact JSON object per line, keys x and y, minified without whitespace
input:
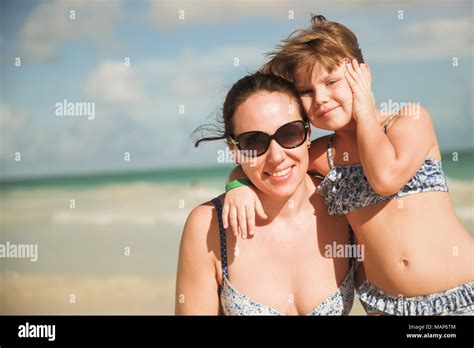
{"x":326,"y":97}
{"x":279,"y":171}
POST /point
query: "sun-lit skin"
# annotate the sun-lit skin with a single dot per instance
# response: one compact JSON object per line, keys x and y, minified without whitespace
{"x":263,"y":267}
{"x":413,"y":246}
{"x":322,"y":91}
{"x":274,"y":109}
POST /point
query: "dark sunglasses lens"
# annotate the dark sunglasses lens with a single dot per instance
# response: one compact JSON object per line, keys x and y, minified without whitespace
{"x":291,"y":135}
{"x":254,"y":143}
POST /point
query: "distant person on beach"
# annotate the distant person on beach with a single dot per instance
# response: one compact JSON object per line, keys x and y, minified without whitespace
{"x":283,"y":268}
{"x":382,"y":171}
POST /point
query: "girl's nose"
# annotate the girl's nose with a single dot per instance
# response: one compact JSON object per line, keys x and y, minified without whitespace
{"x":320,"y":97}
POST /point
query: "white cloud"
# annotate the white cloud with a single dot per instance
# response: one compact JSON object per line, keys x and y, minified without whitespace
{"x":115,"y":83}
{"x":165,"y":14}
{"x":431,"y":39}
{"x":193,"y":74}
{"x":24,"y":132}
{"x":49,"y":25}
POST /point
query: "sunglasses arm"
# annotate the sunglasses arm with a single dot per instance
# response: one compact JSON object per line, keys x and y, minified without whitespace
{"x":233,"y":141}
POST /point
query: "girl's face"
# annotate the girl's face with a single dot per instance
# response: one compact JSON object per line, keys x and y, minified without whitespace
{"x":326,"y":97}
{"x":278,"y":171}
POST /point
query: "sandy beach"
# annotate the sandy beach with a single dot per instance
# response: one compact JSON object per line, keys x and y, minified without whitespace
{"x":115,"y":252}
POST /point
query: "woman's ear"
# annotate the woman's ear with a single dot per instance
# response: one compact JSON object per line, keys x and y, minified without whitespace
{"x":234,"y":151}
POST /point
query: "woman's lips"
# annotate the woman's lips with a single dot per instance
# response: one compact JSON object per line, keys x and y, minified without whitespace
{"x":280,"y":175}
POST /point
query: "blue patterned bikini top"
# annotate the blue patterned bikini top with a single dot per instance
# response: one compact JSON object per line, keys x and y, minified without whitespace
{"x":234,"y":302}
{"x":347,"y":189}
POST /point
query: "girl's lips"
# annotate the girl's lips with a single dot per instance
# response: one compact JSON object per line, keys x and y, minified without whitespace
{"x":326,"y":112}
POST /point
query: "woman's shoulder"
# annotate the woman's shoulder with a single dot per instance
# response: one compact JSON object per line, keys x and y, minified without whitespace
{"x":200,"y":222}
{"x":204,"y":211}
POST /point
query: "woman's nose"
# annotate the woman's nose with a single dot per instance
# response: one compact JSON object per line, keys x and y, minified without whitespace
{"x":276,"y":153}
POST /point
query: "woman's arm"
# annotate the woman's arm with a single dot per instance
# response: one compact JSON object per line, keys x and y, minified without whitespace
{"x":196,"y":284}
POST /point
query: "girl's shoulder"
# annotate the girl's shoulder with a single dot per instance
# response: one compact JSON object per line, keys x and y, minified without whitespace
{"x":411,"y":129}
{"x":318,"y":157}
{"x":411,"y":118}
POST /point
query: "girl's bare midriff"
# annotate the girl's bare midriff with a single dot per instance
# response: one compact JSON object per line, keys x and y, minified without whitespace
{"x":414,"y":245}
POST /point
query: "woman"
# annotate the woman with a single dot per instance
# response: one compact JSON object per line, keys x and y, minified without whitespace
{"x":283,"y":269}
{"x":383,"y":172}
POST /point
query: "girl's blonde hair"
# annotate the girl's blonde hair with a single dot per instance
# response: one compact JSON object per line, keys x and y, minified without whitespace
{"x":326,"y":43}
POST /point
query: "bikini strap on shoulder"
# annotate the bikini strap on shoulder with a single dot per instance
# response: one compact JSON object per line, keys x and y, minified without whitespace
{"x":223,"y":243}
{"x":388,"y":121}
{"x":330,"y":158}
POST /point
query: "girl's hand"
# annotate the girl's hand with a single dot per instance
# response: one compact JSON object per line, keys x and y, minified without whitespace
{"x":359,"y":78}
{"x":240,"y":205}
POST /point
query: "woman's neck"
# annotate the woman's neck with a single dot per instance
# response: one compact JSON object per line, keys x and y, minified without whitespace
{"x":288,"y":207}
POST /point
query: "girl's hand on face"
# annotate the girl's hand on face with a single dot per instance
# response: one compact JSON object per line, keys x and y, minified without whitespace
{"x":240,"y":205}
{"x":359,"y":78}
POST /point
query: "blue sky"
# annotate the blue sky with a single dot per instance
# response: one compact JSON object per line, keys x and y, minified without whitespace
{"x":190,"y":62}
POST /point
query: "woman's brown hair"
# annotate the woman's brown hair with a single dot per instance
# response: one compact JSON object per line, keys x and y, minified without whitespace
{"x":240,"y":92}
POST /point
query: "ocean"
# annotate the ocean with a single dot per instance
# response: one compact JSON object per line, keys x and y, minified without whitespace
{"x":108,"y":243}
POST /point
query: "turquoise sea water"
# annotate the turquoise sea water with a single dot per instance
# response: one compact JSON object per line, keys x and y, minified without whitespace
{"x":186,"y":176}
{"x":458,"y":168}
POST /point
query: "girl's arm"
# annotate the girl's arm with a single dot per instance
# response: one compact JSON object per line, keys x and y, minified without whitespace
{"x":389,"y":160}
{"x":196,"y":285}
{"x":236,"y":173}
{"x":240,"y":206}
{"x":242,"y":203}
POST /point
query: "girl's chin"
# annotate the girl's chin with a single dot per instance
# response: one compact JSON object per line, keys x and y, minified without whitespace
{"x":333,"y":125}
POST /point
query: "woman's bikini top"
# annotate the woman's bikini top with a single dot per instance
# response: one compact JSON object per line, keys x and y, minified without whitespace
{"x":233,"y":302}
{"x":347,"y":189}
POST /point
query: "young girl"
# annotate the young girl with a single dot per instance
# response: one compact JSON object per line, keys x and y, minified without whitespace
{"x":383,"y":172}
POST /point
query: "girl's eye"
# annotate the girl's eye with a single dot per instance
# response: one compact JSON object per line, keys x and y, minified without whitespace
{"x":305,"y":92}
{"x":332,"y":82}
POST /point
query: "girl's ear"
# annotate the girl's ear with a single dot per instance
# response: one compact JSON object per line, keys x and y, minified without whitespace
{"x":308,"y":140}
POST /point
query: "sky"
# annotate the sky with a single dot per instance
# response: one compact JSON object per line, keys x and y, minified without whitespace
{"x":153,"y":71}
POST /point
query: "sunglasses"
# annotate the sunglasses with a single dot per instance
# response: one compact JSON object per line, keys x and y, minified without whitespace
{"x":288,"y":136}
